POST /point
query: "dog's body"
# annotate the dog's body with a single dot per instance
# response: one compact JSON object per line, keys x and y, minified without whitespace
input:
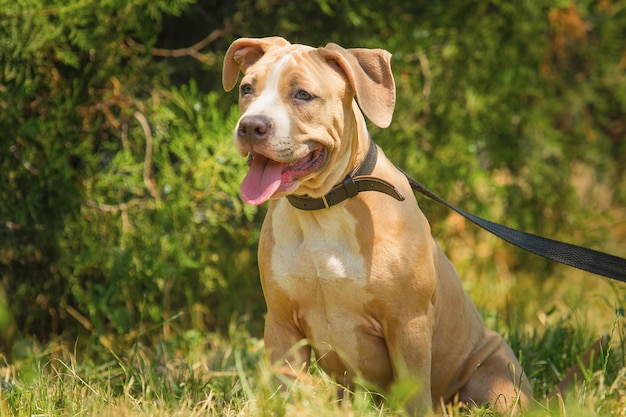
{"x":363,"y":281}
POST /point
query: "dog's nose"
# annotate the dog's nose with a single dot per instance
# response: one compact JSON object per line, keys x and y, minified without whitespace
{"x":254,"y":127}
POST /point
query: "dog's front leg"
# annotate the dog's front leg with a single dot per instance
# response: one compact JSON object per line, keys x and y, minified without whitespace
{"x":410,"y":345}
{"x":286,"y":346}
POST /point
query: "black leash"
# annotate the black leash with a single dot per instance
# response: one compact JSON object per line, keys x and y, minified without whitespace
{"x":589,"y":260}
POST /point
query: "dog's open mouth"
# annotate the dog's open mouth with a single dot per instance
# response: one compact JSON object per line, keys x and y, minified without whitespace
{"x":266,"y":177}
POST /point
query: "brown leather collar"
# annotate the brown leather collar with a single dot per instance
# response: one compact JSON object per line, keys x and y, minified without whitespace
{"x":358,"y":181}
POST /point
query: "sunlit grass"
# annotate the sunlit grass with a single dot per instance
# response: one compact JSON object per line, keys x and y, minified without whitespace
{"x":196,"y":374}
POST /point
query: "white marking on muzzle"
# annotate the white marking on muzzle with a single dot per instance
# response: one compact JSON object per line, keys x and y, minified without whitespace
{"x":269,"y":103}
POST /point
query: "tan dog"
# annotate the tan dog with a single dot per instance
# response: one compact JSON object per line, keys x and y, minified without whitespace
{"x":347,"y":260}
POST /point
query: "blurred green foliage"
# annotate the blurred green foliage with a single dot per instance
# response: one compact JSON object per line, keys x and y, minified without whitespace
{"x":119,"y":196}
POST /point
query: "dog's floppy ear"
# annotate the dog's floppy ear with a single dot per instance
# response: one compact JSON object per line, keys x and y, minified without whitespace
{"x":369,"y":73}
{"x":243,"y":53}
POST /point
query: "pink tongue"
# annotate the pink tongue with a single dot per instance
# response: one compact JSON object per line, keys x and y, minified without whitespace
{"x":262,"y":181}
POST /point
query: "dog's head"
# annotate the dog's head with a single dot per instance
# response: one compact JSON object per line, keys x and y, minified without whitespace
{"x":298,"y":117}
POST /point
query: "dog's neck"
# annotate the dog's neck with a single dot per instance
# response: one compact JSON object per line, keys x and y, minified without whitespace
{"x":357,"y":177}
{"x":352,"y":146}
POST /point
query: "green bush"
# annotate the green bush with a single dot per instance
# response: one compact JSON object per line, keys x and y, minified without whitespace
{"x":119,"y":194}
{"x":173,"y":227}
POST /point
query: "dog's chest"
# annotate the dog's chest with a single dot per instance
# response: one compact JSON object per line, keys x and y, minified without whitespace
{"x":315,"y":248}
{"x":317,"y":261}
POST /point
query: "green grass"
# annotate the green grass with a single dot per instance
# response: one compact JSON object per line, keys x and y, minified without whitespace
{"x":197,"y":374}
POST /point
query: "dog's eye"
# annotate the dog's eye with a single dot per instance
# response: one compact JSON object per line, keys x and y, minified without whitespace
{"x":304,"y":95}
{"x":246,"y":89}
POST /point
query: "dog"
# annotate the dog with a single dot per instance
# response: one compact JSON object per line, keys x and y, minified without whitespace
{"x":348,"y":266}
